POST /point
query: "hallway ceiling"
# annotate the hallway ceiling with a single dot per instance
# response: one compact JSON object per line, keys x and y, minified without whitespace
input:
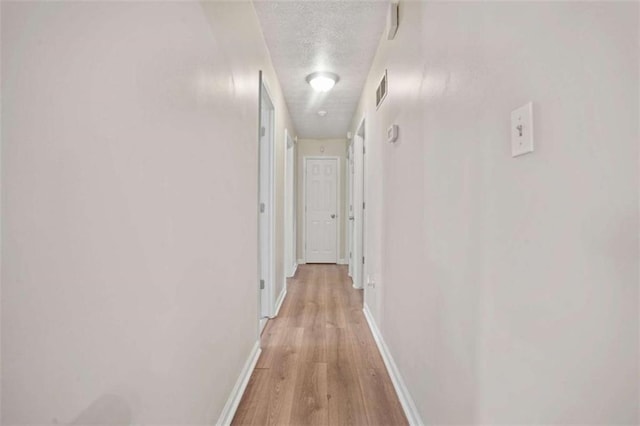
{"x":308,"y":36}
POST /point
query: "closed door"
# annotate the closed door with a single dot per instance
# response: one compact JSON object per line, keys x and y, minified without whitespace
{"x":321,"y":195}
{"x":289,"y":208}
{"x":351,"y":218}
{"x":266,"y":207}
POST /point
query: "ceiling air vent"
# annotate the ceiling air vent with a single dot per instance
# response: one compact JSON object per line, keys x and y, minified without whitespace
{"x":381,"y":91}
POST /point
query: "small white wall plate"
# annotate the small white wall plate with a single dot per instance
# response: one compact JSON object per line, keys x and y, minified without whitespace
{"x":522,"y":130}
{"x":392,"y":133}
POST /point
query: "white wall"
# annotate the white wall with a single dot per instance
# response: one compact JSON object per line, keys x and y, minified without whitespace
{"x":507,"y":288}
{"x":228,"y":20}
{"x":322,"y":148}
{"x":129,"y":208}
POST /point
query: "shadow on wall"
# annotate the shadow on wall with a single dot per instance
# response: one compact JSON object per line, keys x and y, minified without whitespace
{"x":108,"y":409}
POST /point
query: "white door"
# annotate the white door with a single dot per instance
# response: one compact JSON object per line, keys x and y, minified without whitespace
{"x":351,"y":213}
{"x":266,"y":206}
{"x":321,"y":204}
{"x":289,"y":208}
{"x":357,"y":266}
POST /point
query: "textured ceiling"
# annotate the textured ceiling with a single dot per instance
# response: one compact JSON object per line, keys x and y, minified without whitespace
{"x":336,"y":36}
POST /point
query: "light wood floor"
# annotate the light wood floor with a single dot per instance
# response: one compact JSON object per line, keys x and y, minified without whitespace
{"x":319,"y":362}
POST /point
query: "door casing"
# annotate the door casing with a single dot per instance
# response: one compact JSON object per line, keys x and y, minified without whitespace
{"x":350,"y":208}
{"x":359,"y":144}
{"x":266,"y":223}
{"x":290,"y":206}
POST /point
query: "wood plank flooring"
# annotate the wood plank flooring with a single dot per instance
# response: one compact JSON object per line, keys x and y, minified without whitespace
{"x":319,"y":363}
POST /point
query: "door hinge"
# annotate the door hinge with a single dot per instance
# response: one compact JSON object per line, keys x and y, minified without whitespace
{"x":363,"y":205}
{"x":261,"y":284}
{"x":363,"y":260}
{"x":262,"y":207}
{"x":364,"y":150}
{"x":263,"y":131}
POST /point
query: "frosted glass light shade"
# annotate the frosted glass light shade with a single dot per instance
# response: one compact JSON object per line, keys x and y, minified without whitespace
{"x":322,"y":81}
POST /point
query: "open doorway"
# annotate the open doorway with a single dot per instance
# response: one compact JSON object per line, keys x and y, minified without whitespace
{"x":266,"y":204}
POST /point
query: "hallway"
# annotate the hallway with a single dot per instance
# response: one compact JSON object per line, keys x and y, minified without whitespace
{"x":166,"y":165}
{"x":319,"y":362}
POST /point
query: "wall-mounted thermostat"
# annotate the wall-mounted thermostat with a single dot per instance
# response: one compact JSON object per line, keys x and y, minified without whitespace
{"x":392,"y":133}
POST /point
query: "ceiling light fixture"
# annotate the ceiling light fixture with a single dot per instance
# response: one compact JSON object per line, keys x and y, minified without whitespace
{"x":322,"y":81}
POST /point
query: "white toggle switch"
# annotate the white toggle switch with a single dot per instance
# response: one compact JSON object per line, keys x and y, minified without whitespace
{"x":392,"y":133}
{"x":522,"y":130}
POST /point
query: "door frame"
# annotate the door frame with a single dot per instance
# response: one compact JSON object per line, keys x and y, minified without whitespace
{"x":349,"y":223}
{"x":290,"y":258}
{"x":267,"y":247}
{"x":304,"y":199}
{"x":359,"y":148}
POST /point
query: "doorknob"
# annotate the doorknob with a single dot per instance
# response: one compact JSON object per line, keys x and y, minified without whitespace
{"x":333,"y":216}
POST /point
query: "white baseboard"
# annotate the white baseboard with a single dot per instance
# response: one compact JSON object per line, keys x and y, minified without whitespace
{"x":292,"y":271}
{"x":301,"y":262}
{"x":231,"y":406}
{"x":404,"y":396}
{"x":343,"y":262}
{"x":280,"y":300}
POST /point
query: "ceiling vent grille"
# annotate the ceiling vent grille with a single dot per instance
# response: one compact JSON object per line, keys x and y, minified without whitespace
{"x":381,"y":91}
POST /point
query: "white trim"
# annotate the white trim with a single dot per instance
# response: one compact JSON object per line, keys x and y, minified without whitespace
{"x":280,"y":300}
{"x":349,"y":208}
{"x":304,"y":210}
{"x":272,"y":203}
{"x":261,"y":324}
{"x":357,"y":268}
{"x":230,"y":407}
{"x":343,"y":262}
{"x":304,"y":201}
{"x":293,"y":270}
{"x":270,"y":206}
{"x":289,"y":204}
{"x":404,"y":396}
{"x":339,"y":217}
{"x":301,"y":262}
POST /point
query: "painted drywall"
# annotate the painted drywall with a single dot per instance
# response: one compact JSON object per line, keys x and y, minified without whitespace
{"x":225,"y":18}
{"x":129,"y":208}
{"x":507,"y":288}
{"x":321,"y":148}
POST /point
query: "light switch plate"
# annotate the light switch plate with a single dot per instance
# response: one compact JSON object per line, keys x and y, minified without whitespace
{"x":522,"y":130}
{"x":392,"y":133}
